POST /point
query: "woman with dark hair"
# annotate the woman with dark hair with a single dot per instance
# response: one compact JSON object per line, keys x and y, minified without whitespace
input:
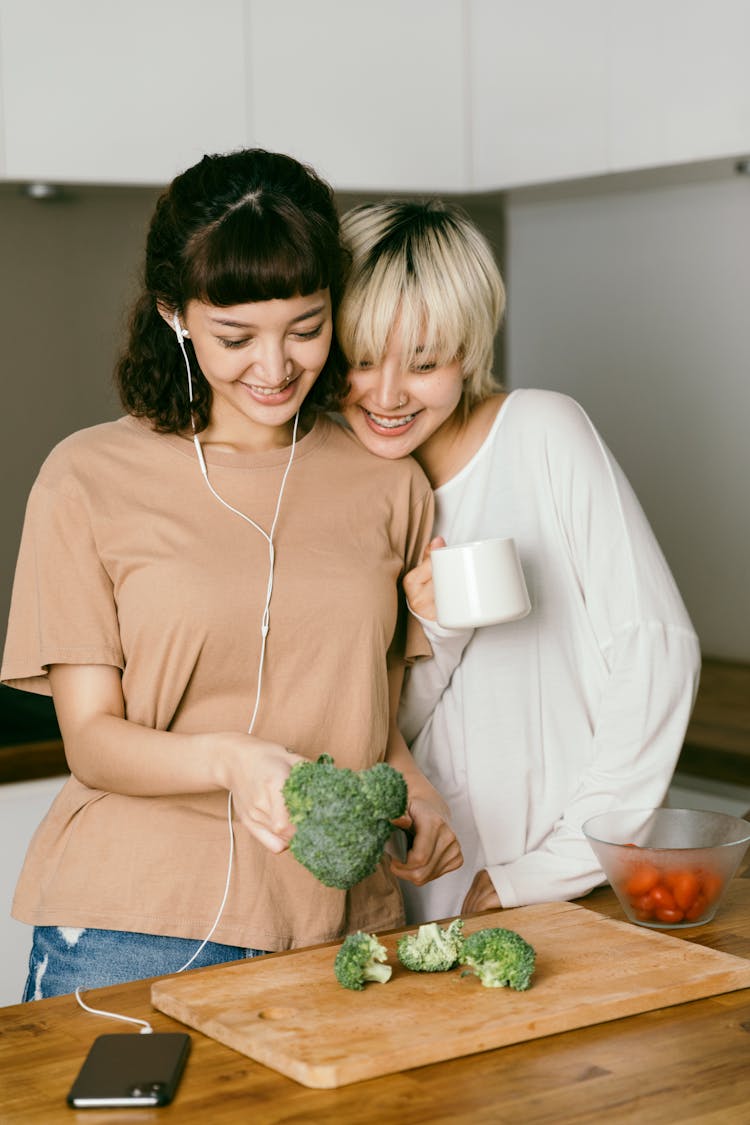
{"x":209,"y":589}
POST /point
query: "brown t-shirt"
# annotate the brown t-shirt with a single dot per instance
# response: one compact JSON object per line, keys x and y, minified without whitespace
{"x":127,"y":559}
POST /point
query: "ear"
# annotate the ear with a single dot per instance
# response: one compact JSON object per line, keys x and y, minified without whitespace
{"x":172,"y":318}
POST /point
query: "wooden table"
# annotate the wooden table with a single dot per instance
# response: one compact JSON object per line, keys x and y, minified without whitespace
{"x":689,"y":1063}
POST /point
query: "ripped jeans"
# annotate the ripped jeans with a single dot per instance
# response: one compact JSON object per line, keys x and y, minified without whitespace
{"x":63,"y":958}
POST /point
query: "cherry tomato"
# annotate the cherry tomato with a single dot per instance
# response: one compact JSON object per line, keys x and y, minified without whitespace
{"x":682,"y":894}
{"x":699,"y":907}
{"x":670,"y":915}
{"x":642,"y":878}
{"x":684,"y":886}
{"x":643,"y":905}
{"x":711,"y":885}
{"x":662,"y":898}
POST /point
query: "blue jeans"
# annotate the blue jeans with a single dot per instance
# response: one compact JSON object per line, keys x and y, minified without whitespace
{"x":63,"y":958}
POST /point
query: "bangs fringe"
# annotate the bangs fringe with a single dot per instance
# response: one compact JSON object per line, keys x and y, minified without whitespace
{"x":429,"y":310}
{"x":426,"y":268}
{"x":257,"y":254}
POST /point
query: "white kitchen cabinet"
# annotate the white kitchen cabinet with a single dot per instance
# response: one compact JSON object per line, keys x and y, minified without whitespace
{"x":539,"y":85}
{"x":372,"y":95}
{"x":405,"y":95}
{"x":680,"y":82}
{"x":588,"y":87}
{"x":128,"y":92}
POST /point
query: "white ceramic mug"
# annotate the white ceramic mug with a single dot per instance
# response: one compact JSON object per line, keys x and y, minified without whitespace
{"x":479,"y":583}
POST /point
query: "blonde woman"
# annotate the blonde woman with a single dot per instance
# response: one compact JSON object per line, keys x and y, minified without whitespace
{"x":526,"y":728}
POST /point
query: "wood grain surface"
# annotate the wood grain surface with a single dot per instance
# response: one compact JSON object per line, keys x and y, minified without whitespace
{"x":685,"y":1063}
{"x":291,"y":1014}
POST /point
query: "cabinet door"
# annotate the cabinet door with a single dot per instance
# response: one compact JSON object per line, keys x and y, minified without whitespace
{"x":680,"y":81}
{"x":539,"y":90}
{"x":371,"y":94}
{"x":128,"y":92}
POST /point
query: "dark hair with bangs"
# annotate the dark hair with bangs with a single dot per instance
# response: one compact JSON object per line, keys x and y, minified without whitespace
{"x":236,"y":228}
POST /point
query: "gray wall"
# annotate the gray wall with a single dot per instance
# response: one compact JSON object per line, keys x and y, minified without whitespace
{"x":67,"y":270}
{"x":633,"y":295}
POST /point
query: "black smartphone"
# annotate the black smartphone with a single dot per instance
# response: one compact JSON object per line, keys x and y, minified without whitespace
{"x":131,"y":1070}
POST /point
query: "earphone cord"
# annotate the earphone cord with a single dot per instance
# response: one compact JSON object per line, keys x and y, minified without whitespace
{"x":264,"y":629}
{"x":265,"y":626}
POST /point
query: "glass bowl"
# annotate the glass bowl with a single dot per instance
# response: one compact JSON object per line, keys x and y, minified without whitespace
{"x":669,"y":868}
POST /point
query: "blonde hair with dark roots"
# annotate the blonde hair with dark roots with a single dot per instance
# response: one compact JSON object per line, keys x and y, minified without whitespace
{"x":427,"y":264}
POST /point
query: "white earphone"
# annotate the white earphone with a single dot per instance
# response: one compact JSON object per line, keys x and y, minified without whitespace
{"x":181,"y":333}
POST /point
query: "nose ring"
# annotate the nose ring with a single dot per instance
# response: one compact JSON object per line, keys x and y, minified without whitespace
{"x":402,"y":400}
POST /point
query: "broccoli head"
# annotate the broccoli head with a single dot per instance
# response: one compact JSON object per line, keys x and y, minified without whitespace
{"x":499,"y":958}
{"x":361,"y":959}
{"x":342,"y":817}
{"x":431,"y":949}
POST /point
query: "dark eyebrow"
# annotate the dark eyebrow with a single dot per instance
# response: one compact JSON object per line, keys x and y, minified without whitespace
{"x":243,"y":324}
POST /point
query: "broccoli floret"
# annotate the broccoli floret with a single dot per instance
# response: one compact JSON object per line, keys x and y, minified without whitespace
{"x":342,"y":818}
{"x":431,"y":949}
{"x":360,"y":959}
{"x":499,"y":958}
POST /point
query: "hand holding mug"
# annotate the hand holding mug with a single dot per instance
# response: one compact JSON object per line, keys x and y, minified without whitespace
{"x":478,"y":583}
{"x":418,"y":585}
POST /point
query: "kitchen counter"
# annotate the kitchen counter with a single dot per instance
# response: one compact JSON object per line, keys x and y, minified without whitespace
{"x":687,"y":1063}
{"x":30,"y":743}
{"x":28,"y":761}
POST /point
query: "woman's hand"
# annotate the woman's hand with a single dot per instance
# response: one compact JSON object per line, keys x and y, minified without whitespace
{"x":255,"y":772}
{"x":481,"y":895}
{"x":435,"y":849}
{"x":109,"y":752}
{"x":418,"y":586}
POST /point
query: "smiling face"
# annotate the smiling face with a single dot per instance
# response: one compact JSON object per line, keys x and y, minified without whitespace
{"x":260,"y":360}
{"x":403,"y":402}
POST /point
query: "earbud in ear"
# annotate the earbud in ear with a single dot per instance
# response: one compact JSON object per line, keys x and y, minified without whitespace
{"x":181,"y":332}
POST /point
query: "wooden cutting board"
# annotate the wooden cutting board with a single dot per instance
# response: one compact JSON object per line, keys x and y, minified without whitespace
{"x":289,"y":1012}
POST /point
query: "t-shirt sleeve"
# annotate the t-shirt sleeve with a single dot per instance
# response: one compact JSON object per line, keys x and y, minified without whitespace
{"x":62,"y":607}
{"x":414,"y":644}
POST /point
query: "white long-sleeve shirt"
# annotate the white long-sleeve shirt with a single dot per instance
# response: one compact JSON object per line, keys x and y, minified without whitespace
{"x":529,"y":728}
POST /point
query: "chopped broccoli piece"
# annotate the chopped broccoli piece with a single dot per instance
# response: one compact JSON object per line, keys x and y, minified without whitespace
{"x":342,"y":817}
{"x":359,"y":960}
{"x":499,"y":958}
{"x":431,"y":949}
